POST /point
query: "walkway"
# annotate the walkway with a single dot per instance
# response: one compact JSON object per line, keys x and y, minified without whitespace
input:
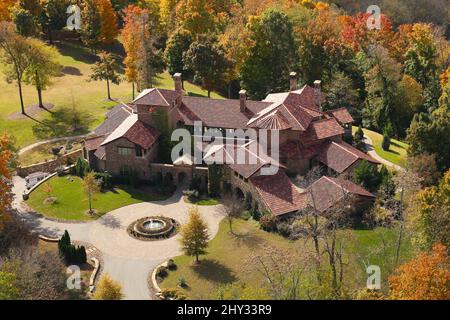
{"x":31,"y":146}
{"x":371,"y":151}
{"x":126,"y":259}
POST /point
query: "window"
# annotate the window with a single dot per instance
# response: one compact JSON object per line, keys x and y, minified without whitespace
{"x":123,"y":151}
{"x":125,"y":170}
{"x":139,"y":152}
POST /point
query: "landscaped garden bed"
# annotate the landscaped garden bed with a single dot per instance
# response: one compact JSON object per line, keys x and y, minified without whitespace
{"x":72,"y":202}
{"x":48,"y":152}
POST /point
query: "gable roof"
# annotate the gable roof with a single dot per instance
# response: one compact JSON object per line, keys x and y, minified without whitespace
{"x":156,"y":97}
{"x":322,"y":129}
{"x":135,"y":131}
{"x":278,"y":193}
{"x":93,"y":143}
{"x":340,"y":156}
{"x":341,"y":115}
{"x":327,"y":191}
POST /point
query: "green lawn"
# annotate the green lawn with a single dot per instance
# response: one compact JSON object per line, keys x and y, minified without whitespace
{"x":396,"y":153}
{"x":226,"y":258}
{"x":72,"y":202}
{"x":71,"y":84}
{"x":204,"y":202}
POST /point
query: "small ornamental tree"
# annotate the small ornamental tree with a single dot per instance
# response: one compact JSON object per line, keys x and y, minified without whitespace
{"x":91,"y":186}
{"x":108,"y":289}
{"x":386,"y":143}
{"x":194,"y":235}
{"x":106,"y":69}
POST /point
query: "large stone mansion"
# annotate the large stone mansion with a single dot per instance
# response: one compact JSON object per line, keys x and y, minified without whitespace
{"x":129,"y":140}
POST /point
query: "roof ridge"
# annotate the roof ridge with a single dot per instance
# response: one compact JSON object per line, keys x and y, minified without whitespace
{"x":159,"y":92}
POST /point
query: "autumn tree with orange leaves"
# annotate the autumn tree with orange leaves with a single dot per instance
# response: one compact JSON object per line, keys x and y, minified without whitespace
{"x":427,"y":277}
{"x":7,"y":162}
{"x":109,"y":29}
{"x":5,"y":6}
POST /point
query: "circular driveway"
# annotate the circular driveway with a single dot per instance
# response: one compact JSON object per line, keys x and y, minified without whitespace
{"x":126,"y":259}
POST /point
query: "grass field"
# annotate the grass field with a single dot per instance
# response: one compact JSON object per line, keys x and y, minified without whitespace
{"x":227,"y":255}
{"x":397,"y":151}
{"x":71,"y":85}
{"x":72,"y":202}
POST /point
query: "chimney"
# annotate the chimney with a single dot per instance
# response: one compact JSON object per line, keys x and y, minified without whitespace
{"x":243,"y":100}
{"x":318,"y":93}
{"x":178,"y":83}
{"x":293,"y":81}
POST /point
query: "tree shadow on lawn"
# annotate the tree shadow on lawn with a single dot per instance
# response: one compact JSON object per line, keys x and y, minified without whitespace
{"x":248,"y":239}
{"x":77,"y":52}
{"x":397,"y":145}
{"x":213,"y":270}
{"x":393,"y":152}
{"x":69,"y":70}
{"x":110,"y":222}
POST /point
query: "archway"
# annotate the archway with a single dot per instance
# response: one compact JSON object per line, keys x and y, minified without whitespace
{"x":181,"y":177}
{"x":239,"y":194}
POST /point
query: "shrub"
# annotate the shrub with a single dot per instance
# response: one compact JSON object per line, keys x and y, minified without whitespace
{"x":56,"y":150}
{"x":359,"y":134}
{"x":284,"y":229}
{"x":268,"y":222}
{"x":247,"y":214}
{"x":105,"y":179}
{"x":386,"y":144}
{"x":182,"y":282}
{"x":192,"y":195}
{"x":162,"y":272}
{"x":171,"y":265}
{"x":175,"y":294}
{"x":60,"y":171}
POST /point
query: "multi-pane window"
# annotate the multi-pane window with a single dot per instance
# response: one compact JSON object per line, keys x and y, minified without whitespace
{"x":124,"y":151}
{"x":125,"y":170}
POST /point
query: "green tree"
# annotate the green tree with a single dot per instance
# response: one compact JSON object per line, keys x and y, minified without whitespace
{"x":43,"y":66}
{"x":53,"y":16}
{"x":206,"y":58}
{"x":15,"y":52}
{"x":178,"y":43}
{"x":25,"y":22}
{"x":194,"y":235}
{"x":106,"y":69}
{"x":429,"y":133}
{"x":269,"y":62}
{"x":341,"y":93}
{"x":91,"y":26}
{"x":386,"y":143}
{"x":432,"y":221}
{"x":366,"y":174}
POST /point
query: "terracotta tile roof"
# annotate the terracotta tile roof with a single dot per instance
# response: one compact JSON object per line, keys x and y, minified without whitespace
{"x":142,"y":135}
{"x":275,"y":120}
{"x":296,"y":150}
{"x":327,"y":191}
{"x":322,"y":129}
{"x":279,"y":193}
{"x":341,"y":115}
{"x":340,"y":156}
{"x":156,"y":97}
{"x":93,"y":143}
{"x":250,"y":163}
{"x":218,"y":113}
{"x":135,"y":131}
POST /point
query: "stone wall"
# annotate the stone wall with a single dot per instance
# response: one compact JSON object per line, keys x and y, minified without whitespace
{"x":49,"y":166}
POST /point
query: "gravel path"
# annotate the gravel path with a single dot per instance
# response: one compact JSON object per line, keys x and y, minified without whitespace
{"x":126,"y":259}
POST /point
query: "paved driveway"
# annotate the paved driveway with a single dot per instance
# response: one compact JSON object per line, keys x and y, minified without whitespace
{"x":126,"y":259}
